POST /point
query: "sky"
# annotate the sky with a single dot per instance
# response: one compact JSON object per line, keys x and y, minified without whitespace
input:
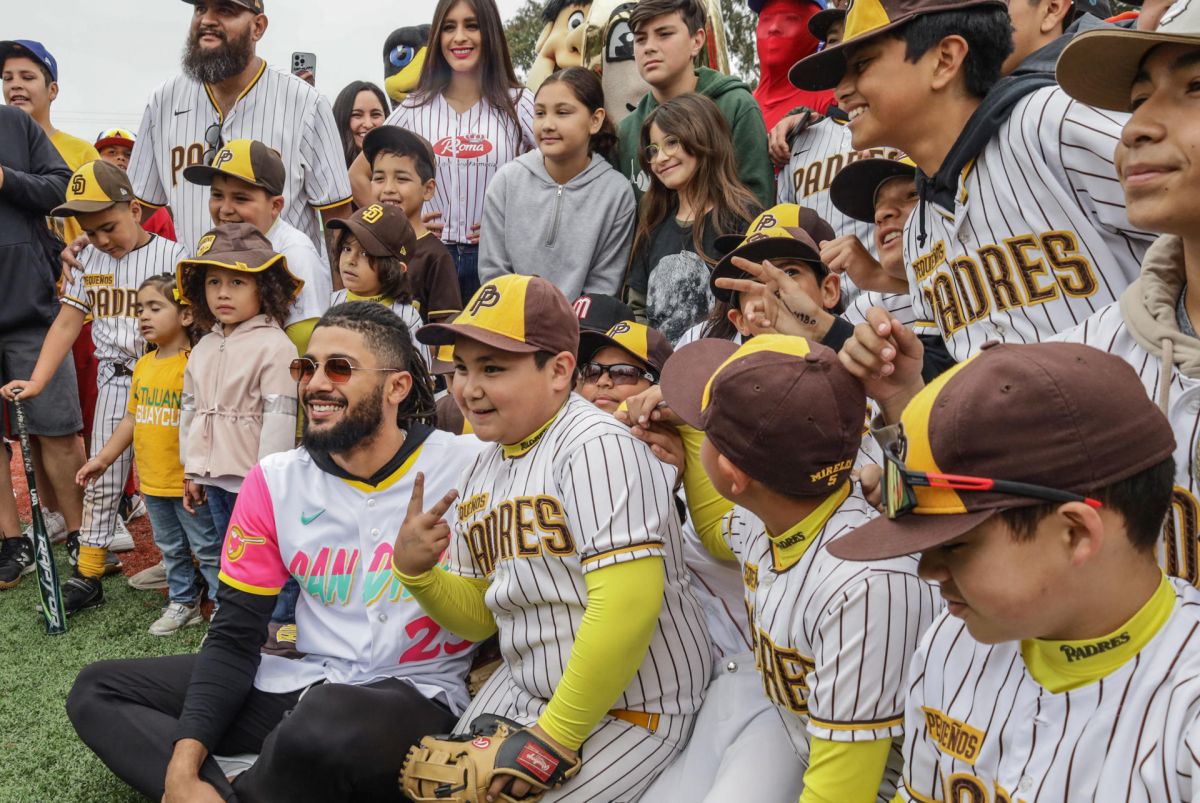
{"x":112,"y":55}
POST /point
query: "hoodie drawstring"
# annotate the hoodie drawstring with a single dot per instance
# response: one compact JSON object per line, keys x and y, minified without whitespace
{"x":557,"y":212}
{"x":1165,"y":371}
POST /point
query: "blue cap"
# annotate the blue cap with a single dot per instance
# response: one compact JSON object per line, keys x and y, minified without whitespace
{"x":29,"y":49}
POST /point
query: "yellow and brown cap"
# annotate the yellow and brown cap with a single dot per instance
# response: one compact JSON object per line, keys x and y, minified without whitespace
{"x":780,"y":408}
{"x":95,"y":187}
{"x":854,"y":190}
{"x":1098,"y":66}
{"x":512,"y":313}
{"x":1059,"y":415}
{"x":785,"y":231}
{"x":245,"y":159}
{"x":866,"y":19}
{"x":382,"y":231}
{"x":645,"y":343}
{"x":234,"y":246}
{"x":254,"y":5}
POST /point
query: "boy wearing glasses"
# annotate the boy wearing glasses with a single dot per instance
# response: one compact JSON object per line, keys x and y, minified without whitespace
{"x":1065,"y":664}
{"x":831,"y":639}
{"x":622,"y":362}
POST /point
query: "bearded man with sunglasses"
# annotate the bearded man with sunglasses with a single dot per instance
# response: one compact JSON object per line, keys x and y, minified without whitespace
{"x":227,"y":92}
{"x":377,"y":673}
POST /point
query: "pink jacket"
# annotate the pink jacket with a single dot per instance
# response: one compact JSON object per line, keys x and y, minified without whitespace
{"x":239,"y":400}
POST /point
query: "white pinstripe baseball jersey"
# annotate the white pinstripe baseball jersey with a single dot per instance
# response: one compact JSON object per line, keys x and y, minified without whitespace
{"x":277,"y":109}
{"x":587,"y":495}
{"x":470,"y":148}
{"x":833,"y":639}
{"x":1038,"y":239}
{"x":405,"y":312}
{"x":1179,"y":551}
{"x":106,"y":289}
{"x":818,"y":155}
{"x":980,"y":729}
{"x":306,"y":263}
{"x":355,"y":621}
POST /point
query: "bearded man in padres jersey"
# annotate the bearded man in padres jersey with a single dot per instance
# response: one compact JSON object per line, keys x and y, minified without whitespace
{"x":567,"y":543}
{"x":1033,"y":481}
{"x":377,"y":674}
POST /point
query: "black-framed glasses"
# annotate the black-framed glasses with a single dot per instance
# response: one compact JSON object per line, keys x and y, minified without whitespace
{"x":900,"y":483}
{"x":619,"y":373}
{"x":212,"y":138}
{"x":338,"y":369}
{"x":668,"y":147}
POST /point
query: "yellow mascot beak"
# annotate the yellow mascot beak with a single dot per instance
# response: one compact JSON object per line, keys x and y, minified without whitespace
{"x":399,"y":84}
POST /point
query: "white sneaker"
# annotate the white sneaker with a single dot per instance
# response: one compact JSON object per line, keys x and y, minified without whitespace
{"x":175,"y":616}
{"x":56,"y":526}
{"x":151,"y":578}
{"x":122,"y":540}
{"x":136,"y":509}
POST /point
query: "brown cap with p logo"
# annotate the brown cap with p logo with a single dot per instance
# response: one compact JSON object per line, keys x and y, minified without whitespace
{"x":512,"y":313}
{"x":245,"y":159}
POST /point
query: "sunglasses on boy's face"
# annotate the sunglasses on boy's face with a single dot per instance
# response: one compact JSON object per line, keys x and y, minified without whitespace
{"x":900,"y":483}
{"x":619,"y":373}
{"x":338,"y":369}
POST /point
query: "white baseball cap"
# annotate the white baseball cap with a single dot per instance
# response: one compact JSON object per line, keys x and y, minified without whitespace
{"x":1098,"y":67}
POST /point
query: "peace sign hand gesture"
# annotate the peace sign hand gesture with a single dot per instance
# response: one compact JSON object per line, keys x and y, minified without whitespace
{"x":424,"y":535}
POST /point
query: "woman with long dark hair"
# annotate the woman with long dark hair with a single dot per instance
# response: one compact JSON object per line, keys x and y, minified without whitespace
{"x":471,"y":106}
{"x":360,"y":107}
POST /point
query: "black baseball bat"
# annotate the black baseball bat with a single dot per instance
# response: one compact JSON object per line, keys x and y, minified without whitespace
{"x":47,"y":574}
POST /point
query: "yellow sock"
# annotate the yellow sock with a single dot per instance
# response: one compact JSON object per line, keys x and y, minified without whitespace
{"x":91,"y":560}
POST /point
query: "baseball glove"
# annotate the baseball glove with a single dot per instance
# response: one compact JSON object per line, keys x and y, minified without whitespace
{"x":460,"y":767}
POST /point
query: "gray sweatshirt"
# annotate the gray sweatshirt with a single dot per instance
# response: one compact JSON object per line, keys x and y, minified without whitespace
{"x":576,"y":235}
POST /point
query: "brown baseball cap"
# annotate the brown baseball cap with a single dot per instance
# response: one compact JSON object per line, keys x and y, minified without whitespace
{"x":235,"y":246}
{"x":245,"y":159}
{"x":820,"y":23}
{"x":785,"y":231}
{"x":866,"y":19}
{"x":93,"y":188}
{"x":780,"y":408}
{"x":854,"y":189}
{"x":254,"y":5}
{"x":1059,"y":415}
{"x":645,"y":343}
{"x":512,"y":313}
{"x":1098,"y":67}
{"x":382,"y":230}
{"x":600,"y":312}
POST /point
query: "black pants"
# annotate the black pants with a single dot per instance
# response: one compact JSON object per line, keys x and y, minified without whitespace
{"x":339,"y":743}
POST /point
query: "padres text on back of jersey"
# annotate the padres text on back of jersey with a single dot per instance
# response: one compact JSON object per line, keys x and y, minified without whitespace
{"x":182,"y":124}
{"x":1036,"y":239}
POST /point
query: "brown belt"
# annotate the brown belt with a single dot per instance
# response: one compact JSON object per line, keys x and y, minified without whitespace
{"x":643,"y":719}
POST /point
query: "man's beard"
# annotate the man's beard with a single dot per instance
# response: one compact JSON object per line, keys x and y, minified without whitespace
{"x":214,"y":66}
{"x":358,"y":426}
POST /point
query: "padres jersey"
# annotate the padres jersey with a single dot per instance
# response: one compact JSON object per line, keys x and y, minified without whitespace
{"x":406,"y":313}
{"x":355,"y":621}
{"x":832,"y":638}
{"x":980,"y":729}
{"x":585,"y":495}
{"x":181,"y":124}
{"x":470,"y":148}
{"x":107,"y":288}
{"x":1179,"y":550}
{"x":1037,"y":240}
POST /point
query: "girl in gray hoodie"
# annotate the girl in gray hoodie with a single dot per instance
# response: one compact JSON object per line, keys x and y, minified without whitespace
{"x":562,"y":212}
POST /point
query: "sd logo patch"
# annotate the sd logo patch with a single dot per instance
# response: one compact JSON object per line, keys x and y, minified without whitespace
{"x":206,"y":244}
{"x":372,"y":214}
{"x":78,"y":185}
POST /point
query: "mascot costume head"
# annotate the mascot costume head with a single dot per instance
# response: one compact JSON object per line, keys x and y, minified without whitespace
{"x":608,"y":50}
{"x":560,"y":44}
{"x":783,"y":38}
{"x":403,"y":57}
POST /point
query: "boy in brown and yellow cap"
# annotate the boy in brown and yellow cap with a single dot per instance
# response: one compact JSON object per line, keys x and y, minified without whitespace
{"x":566,"y":542}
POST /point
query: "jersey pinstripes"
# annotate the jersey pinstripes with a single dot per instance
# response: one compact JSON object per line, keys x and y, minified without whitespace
{"x":1038,"y":239}
{"x":979,"y":728}
{"x":405,"y":312}
{"x":106,"y":289}
{"x":588,"y":495}
{"x":277,"y":109}
{"x":470,"y":148}
{"x":1179,"y":551}
{"x":833,"y":638}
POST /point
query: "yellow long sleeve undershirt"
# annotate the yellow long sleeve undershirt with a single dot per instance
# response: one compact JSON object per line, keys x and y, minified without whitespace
{"x":706,"y":507}
{"x":623,"y":604}
{"x":844,"y":772}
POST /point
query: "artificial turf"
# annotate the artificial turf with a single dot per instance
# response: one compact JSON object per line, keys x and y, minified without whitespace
{"x":41,"y":758}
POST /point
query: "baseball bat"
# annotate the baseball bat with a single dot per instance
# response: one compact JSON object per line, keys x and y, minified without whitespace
{"x":47,"y":574}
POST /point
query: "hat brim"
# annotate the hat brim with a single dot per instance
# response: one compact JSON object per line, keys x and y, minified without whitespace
{"x":447,"y":334}
{"x":203,"y":175}
{"x":767,"y":248}
{"x":366,"y":238}
{"x":883,"y":538}
{"x":820,"y":23}
{"x":854,"y":189}
{"x":101,"y":144}
{"x":10,"y":47}
{"x":591,"y":341}
{"x":687,"y":373}
{"x":240,"y":261}
{"x":72,"y":208}
{"x":1098,"y":67}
